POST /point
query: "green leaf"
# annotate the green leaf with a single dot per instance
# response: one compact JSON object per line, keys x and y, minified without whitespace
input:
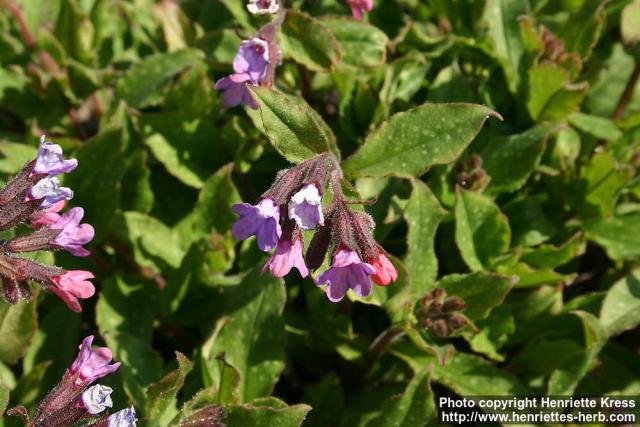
{"x":482,"y":230}
{"x":409,"y":143}
{"x":544,"y":81}
{"x":481,"y":291}
{"x":4,"y":397}
{"x":621,"y":307}
{"x":583,"y":28}
{"x":295,"y":130}
{"x":510,"y":161}
{"x":137,"y":195}
{"x":630,"y":26}
{"x":363,"y":45}
{"x":14,"y":156}
{"x":228,"y":383}
{"x":142,"y":84}
{"x":18,"y":325}
{"x":252,"y":339}
{"x":125,"y":315}
{"x":152,"y":240}
{"x":213,"y":208}
{"x":423,"y":214}
{"x":309,"y":42}
{"x":598,"y":127}
{"x":613,"y":234}
{"x":96,"y":181}
{"x":501,"y":18}
{"x":415,"y":406}
{"x":529,"y":224}
{"x":265,"y":416}
{"x":564,"y":102}
{"x":161,"y":397}
{"x":564,"y":380}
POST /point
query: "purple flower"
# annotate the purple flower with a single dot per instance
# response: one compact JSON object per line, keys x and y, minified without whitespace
{"x":250,"y":66}
{"x":347,"y":272}
{"x":305,"y":207}
{"x":73,"y":234}
{"x":263,"y":7}
{"x":261,"y":220}
{"x":235,"y":91}
{"x":97,"y":398}
{"x":72,"y":285}
{"x":49,"y":189}
{"x":90,"y":364}
{"x":287,"y":256}
{"x":49,"y":159}
{"x":124,"y":418}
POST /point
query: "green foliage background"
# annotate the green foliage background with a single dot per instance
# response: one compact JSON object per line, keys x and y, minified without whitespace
{"x":543,"y":246}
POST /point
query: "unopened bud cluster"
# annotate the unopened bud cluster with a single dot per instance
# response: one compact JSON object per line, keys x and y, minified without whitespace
{"x":35,"y":197}
{"x":292,"y":205}
{"x":471,"y":176}
{"x":439,"y":314}
{"x":75,"y":401}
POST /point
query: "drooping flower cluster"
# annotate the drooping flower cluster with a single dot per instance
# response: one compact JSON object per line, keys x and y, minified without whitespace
{"x":74,"y":400}
{"x":360,"y":7}
{"x":292,"y":205}
{"x":254,"y":64}
{"x":35,"y":197}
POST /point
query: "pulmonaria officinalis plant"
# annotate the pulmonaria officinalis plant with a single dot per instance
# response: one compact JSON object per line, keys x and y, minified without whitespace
{"x":34,"y":197}
{"x":293,"y":204}
{"x":74,"y":401}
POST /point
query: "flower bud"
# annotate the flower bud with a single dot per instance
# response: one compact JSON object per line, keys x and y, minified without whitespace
{"x":454,"y":303}
{"x":440,"y":328}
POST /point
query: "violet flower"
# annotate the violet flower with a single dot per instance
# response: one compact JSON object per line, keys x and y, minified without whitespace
{"x":287,"y":256}
{"x":72,"y":285}
{"x":359,"y":7}
{"x":261,"y":220}
{"x":263,"y":7}
{"x":347,"y":272}
{"x":250,"y":66}
{"x":97,"y":398}
{"x":49,"y":159}
{"x":49,"y":189}
{"x":91,"y":364}
{"x":305,"y":207}
{"x":124,"y":418}
{"x":73,"y":234}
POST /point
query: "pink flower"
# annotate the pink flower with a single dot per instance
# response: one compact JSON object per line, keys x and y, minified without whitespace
{"x":46,"y":217}
{"x":385,"y":271}
{"x":90,"y":364}
{"x":72,"y":285}
{"x":358,"y":7}
{"x":73,"y":234}
{"x":287,"y":256}
{"x":347,"y":272}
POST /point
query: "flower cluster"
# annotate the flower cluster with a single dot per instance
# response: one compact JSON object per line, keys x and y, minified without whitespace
{"x":254,"y":64}
{"x":292,"y":205}
{"x":75,"y":400}
{"x":35,"y":197}
{"x":439,"y":314}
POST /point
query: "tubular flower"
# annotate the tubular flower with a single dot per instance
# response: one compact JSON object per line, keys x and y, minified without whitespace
{"x":91,"y":364}
{"x":305,"y":207}
{"x":385,"y":271}
{"x":73,"y":285}
{"x":124,"y":418}
{"x":261,"y":220}
{"x":73,"y":234}
{"x":47,"y":216}
{"x":50,"y":161}
{"x":288,"y":254}
{"x":359,"y":7}
{"x":263,"y":7}
{"x":347,"y":272}
{"x":97,"y":398}
{"x":250,"y":66}
{"x":50,"y":191}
